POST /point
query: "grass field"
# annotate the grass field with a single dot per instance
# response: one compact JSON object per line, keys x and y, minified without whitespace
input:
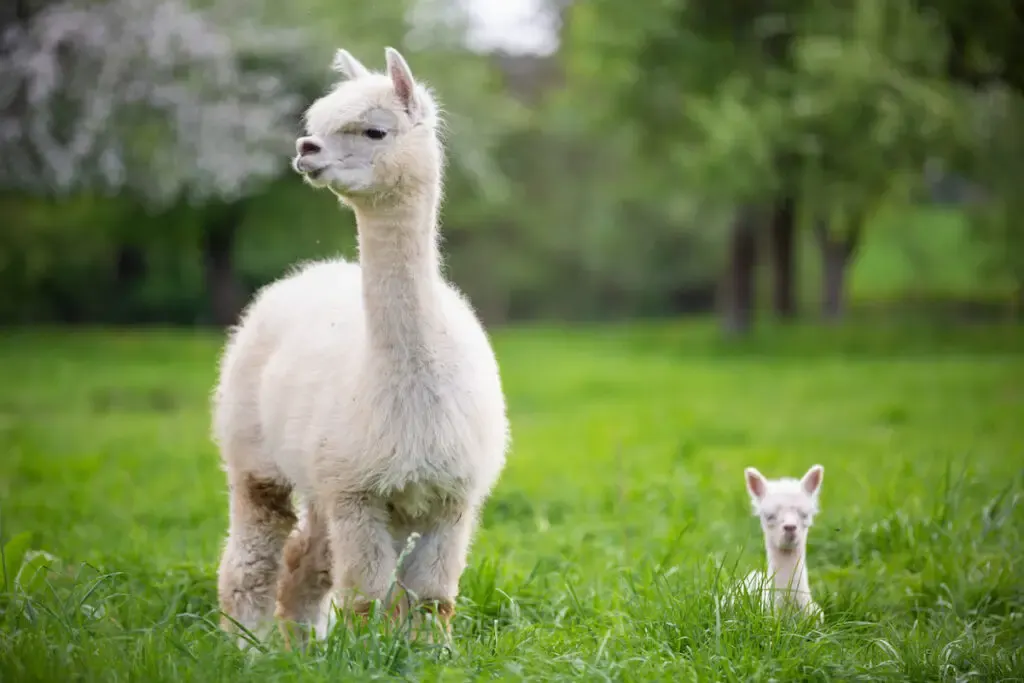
{"x":620,"y":515}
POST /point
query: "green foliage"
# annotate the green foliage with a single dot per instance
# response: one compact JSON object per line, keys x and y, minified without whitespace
{"x":839,"y":100}
{"x":871,"y":104}
{"x":560,"y":254}
{"x":999,"y":165}
{"x":619,"y":520}
{"x":926,"y":256}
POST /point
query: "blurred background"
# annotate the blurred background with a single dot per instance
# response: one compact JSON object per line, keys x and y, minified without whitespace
{"x":750,"y":159}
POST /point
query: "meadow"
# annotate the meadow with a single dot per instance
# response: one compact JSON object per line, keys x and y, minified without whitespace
{"x":620,"y":517}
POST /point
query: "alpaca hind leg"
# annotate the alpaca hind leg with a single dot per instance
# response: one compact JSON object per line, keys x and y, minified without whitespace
{"x":305,"y":577}
{"x":261,"y":517}
{"x":431,"y":572}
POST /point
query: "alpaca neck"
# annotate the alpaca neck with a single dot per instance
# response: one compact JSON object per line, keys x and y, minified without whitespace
{"x":400,"y":270}
{"x":788,"y":569}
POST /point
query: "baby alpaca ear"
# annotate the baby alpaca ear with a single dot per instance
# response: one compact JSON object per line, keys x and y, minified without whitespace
{"x":347,"y":65}
{"x":757,"y":485}
{"x":405,"y":85}
{"x":812,"y":480}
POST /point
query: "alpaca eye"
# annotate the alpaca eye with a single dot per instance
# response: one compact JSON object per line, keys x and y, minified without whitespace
{"x":770,"y":518}
{"x":375,"y":133}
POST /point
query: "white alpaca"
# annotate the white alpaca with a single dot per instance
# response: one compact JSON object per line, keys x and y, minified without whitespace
{"x":370,"y":391}
{"x":786,"y":508}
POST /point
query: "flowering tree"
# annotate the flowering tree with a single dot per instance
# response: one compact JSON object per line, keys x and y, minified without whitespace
{"x":152,"y":98}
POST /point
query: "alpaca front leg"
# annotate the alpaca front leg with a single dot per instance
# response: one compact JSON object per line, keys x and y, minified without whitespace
{"x":431,"y":572}
{"x":261,"y":517}
{"x":363,"y":553}
{"x":810,"y":609}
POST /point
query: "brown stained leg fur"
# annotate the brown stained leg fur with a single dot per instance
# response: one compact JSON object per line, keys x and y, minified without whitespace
{"x":444,"y":609}
{"x":272,"y":499}
{"x":399,"y":601}
{"x":305,"y":577}
{"x":261,"y":519}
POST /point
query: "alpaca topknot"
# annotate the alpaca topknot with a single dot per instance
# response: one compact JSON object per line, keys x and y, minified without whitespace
{"x":357,"y":79}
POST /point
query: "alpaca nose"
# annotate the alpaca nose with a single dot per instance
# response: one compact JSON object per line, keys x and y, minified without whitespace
{"x":789,"y":528}
{"x":306,"y":146}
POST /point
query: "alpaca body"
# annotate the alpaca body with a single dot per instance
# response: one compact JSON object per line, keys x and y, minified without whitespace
{"x":314,"y":404}
{"x":784,"y":585}
{"x":370,"y":389}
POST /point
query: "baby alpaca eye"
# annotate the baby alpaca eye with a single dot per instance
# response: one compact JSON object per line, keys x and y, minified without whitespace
{"x":375,"y":133}
{"x":770,"y":518}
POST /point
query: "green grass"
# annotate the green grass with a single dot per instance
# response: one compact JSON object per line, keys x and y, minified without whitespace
{"x":620,"y":514}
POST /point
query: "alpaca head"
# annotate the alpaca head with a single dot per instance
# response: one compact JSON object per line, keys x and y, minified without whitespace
{"x":785,"y":506}
{"x":373,"y":138}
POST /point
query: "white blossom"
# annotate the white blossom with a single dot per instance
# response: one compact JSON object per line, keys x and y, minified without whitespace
{"x":149,"y":95}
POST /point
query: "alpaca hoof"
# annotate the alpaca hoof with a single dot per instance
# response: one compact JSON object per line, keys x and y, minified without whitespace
{"x":433,"y":618}
{"x":815,"y":613}
{"x":293,"y":635}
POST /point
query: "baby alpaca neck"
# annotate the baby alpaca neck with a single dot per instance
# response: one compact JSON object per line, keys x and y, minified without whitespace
{"x":788,"y":569}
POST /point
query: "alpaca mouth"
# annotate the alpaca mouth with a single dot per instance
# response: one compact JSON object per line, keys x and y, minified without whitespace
{"x":302,"y":165}
{"x":788,"y":545}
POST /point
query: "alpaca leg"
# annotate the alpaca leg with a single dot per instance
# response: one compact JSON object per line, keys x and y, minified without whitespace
{"x":306,"y":575}
{"x":432,"y":570}
{"x":363,"y":553}
{"x":261,"y":519}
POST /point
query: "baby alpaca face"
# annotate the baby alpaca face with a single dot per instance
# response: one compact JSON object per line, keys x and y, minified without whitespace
{"x":785,"y":506}
{"x":372,"y":135}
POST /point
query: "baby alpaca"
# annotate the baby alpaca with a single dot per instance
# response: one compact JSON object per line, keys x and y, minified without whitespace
{"x":370,"y":391}
{"x":786,"y":508}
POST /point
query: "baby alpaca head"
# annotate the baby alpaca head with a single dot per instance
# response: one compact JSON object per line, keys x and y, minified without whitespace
{"x":373,"y":137}
{"x":786,"y":506}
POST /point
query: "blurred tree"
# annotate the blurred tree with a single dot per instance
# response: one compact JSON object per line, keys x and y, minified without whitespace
{"x":986,"y":54}
{"x":871,"y":106}
{"x":788,"y":110}
{"x":155,"y":99}
{"x":694,"y":78}
{"x":997,"y":162}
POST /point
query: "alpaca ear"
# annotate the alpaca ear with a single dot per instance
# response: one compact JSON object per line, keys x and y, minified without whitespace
{"x":757,"y":485}
{"x":812,"y":480}
{"x":347,"y":65}
{"x":401,"y":78}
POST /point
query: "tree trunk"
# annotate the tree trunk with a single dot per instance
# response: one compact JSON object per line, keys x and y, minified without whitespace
{"x":222,"y":284}
{"x":129,"y":267}
{"x":1017,"y":302}
{"x":739,"y":285}
{"x":836,"y":253}
{"x":782,"y":238}
{"x":130,"y":270}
